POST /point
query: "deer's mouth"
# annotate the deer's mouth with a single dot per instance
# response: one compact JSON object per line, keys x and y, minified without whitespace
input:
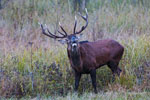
{"x":74,"y":45}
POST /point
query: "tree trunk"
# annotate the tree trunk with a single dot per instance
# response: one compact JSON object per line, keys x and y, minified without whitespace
{"x":0,"y":4}
{"x":83,"y":4}
{"x":77,"y":4}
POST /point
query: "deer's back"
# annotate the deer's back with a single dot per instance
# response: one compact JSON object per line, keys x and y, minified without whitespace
{"x":100,"y":52}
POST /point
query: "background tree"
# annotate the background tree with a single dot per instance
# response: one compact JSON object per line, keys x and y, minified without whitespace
{"x":3,"y":3}
{"x":0,"y":4}
{"x":80,"y":5}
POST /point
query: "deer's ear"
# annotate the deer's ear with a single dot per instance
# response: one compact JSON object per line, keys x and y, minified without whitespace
{"x":80,"y":36}
{"x":63,"y":41}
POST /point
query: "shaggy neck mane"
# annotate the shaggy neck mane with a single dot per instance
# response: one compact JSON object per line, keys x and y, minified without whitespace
{"x":75,"y":56}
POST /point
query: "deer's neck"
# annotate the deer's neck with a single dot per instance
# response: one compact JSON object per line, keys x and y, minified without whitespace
{"x":75,"y":57}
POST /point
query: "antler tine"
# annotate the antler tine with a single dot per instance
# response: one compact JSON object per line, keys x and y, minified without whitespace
{"x":49,"y":34}
{"x":43,"y":31}
{"x":86,"y":19}
{"x":74,"y":31}
{"x":62,"y":30}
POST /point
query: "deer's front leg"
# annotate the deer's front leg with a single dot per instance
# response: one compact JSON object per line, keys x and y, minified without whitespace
{"x":93,"y":77}
{"x":77,"y":80}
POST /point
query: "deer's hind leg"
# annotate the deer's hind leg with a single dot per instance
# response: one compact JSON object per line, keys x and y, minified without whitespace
{"x":114,"y":68}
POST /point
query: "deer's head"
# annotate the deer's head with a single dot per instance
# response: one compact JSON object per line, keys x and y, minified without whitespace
{"x":71,"y":40}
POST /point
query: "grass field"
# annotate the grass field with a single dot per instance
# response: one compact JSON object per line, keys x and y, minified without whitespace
{"x":99,"y":96}
{"x":106,"y":96}
{"x":35,"y":66}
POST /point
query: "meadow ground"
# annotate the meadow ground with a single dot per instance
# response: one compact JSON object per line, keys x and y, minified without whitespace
{"x":91,"y":96}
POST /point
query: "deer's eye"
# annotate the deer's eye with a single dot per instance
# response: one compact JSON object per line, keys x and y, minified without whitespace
{"x":76,"y":39}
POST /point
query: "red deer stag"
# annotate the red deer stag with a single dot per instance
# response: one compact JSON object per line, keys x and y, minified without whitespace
{"x":85,"y":57}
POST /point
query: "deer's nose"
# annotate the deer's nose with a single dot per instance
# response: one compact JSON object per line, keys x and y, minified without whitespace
{"x":74,"y":44}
